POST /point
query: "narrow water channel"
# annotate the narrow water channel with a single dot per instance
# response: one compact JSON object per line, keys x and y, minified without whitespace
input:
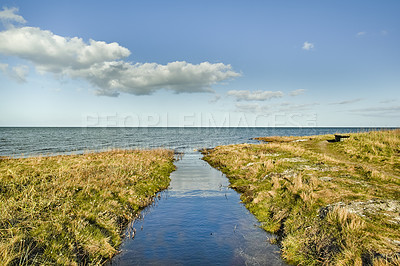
{"x":197,"y":221}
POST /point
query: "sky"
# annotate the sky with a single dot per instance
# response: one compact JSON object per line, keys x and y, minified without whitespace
{"x":200,"y":63}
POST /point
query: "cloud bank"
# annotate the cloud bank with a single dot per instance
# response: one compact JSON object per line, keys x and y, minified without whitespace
{"x":102,"y":64}
{"x":244,"y":95}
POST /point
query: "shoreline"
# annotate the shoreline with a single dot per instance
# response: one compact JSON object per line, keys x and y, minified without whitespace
{"x":300,"y":188}
{"x":329,"y":203}
{"x":73,"y":209}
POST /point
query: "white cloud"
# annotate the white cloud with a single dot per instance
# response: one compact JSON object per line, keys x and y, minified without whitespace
{"x":249,"y":107}
{"x":8,"y":15}
{"x":3,"y":67}
{"x":292,"y":107}
{"x":389,"y":111}
{"x":361,"y":33}
{"x":297,"y":92}
{"x":347,"y":101}
{"x":244,"y":95}
{"x":276,"y":108}
{"x":215,"y":99}
{"x":54,"y":53}
{"x":17,"y":73}
{"x":388,"y":101}
{"x":101,"y":64}
{"x":144,"y":79}
{"x":308,"y":46}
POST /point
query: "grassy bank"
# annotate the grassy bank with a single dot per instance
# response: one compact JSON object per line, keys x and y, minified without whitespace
{"x":328,"y":203}
{"x":73,"y":209}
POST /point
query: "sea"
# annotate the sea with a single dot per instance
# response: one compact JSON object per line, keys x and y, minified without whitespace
{"x":32,"y":141}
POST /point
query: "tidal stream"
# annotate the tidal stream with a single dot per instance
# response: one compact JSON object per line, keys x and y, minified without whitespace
{"x":199,"y":220}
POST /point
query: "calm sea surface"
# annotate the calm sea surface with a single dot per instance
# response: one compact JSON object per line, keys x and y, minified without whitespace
{"x":34,"y":141}
{"x":198,"y":220}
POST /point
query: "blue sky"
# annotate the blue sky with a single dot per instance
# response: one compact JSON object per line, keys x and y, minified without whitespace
{"x":200,"y":63}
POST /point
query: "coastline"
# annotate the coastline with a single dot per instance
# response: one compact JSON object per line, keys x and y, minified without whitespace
{"x":73,"y":209}
{"x":329,"y":203}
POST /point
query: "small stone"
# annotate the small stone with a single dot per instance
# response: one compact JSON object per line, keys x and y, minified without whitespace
{"x":326,"y":178}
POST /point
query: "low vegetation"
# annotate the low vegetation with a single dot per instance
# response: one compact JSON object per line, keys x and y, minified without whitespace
{"x":73,"y":209}
{"x":328,"y":203}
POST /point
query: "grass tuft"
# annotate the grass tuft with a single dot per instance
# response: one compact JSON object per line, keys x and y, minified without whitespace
{"x":73,"y":209}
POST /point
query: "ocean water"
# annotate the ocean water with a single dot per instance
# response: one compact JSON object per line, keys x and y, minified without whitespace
{"x":17,"y":141}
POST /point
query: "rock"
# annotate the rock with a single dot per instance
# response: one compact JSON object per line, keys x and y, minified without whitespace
{"x":294,"y":160}
{"x":326,"y":178}
{"x":272,"y":154}
{"x":299,"y":140}
{"x":388,"y":208}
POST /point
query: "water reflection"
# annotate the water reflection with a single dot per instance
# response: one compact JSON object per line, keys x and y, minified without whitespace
{"x":198,"y":221}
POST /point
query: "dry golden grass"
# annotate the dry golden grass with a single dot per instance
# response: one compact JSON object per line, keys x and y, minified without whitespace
{"x":307,"y":192}
{"x":72,"y":209}
{"x":377,"y":148}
